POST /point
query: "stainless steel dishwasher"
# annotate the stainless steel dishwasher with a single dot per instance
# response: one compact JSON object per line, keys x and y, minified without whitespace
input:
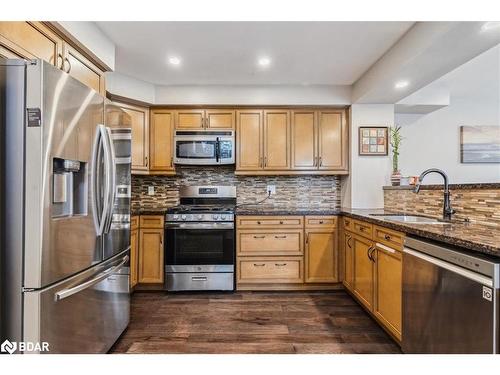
{"x":450,"y":300}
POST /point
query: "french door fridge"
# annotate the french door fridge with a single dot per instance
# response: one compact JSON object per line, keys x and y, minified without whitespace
{"x":65,"y":213}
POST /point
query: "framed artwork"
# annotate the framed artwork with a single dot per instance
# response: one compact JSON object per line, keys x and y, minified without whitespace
{"x":480,"y":144}
{"x":373,"y":140}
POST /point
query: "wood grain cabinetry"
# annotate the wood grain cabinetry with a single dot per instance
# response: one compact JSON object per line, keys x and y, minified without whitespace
{"x":276,"y":140}
{"x":32,"y":40}
{"x":150,"y":254}
{"x":201,"y":119}
{"x":249,"y":134}
{"x":332,"y":136}
{"x":373,"y":270}
{"x":304,"y":140}
{"x":273,"y":254}
{"x":134,"y":250}
{"x":161,"y":142}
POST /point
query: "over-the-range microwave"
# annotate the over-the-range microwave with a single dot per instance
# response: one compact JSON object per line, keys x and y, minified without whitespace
{"x":208,"y":147}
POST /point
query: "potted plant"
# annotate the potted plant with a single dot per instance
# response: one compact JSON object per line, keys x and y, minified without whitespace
{"x":396,"y":138}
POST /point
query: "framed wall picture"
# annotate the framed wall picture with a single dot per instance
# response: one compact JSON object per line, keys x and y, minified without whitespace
{"x":373,"y":140}
{"x":480,"y":144}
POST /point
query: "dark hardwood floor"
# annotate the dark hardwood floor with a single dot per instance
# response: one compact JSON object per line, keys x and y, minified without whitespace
{"x":251,"y":322}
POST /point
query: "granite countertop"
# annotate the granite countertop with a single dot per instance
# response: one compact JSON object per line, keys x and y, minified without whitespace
{"x":487,"y":185}
{"x":149,"y":211}
{"x":248,"y":210}
{"x":475,"y":237}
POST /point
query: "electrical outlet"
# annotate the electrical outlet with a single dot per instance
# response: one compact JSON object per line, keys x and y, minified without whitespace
{"x":272,"y":189}
{"x":151,"y":190}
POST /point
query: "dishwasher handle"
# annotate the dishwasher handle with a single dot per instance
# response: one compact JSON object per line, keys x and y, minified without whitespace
{"x":477,"y":277}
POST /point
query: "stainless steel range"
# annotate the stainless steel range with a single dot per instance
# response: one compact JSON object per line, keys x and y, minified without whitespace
{"x":199,"y":239}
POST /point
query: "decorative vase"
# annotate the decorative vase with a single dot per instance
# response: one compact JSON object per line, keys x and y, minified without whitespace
{"x":396,"y":178}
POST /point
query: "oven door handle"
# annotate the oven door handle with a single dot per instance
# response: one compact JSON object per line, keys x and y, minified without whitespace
{"x":199,"y":226}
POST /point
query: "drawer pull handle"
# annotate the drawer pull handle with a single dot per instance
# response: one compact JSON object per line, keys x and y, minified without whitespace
{"x":258,"y":222}
{"x":362,"y":229}
{"x":199,"y":278}
{"x":280,"y":264}
{"x":349,"y":242}
{"x":279,"y":236}
{"x":347,"y":222}
{"x":387,"y":237}
{"x":259,"y":265}
{"x":259,"y":236}
{"x":281,"y":222}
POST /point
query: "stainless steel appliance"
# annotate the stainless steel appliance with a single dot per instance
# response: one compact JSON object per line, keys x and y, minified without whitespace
{"x":66,"y":194}
{"x":199,"y":239}
{"x":208,"y":147}
{"x":450,"y":300}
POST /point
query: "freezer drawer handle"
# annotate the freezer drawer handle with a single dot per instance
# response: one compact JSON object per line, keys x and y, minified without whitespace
{"x":65,"y":293}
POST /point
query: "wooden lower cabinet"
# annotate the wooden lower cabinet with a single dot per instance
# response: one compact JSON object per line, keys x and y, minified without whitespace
{"x":373,"y":272}
{"x":363,"y":271}
{"x":150,"y":253}
{"x":272,"y":253}
{"x":388,"y":288}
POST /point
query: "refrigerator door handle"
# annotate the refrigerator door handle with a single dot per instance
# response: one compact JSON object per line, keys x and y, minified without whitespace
{"x":112,"y":180}
{"x":100,"y":144}
{"x":65,"y":293}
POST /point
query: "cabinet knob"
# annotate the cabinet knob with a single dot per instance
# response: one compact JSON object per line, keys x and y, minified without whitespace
{"x":281,"y":222}
{"x":387,"y":237}
{"x":258,"y":222}
{"x":321,"y":221}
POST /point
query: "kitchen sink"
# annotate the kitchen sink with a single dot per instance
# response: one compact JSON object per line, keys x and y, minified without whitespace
{"x":410,"y":219}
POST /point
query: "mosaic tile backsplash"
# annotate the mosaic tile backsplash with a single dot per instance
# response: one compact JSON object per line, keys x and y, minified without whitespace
{"x":301,"y":192}
{"x":478,"y":205}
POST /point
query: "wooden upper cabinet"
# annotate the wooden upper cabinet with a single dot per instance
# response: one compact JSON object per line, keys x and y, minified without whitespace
{"x":304,"y":134}
{"x":81,"y":68}
{"x":249,"y":140}
{"x":30,"y":40}
{"x":276,"y":140}
{"x":332,"y":140}
{"x":190,"y":119}
{"x":320,"y":256}
{"x":363,"y":271}
{"x":219,"y":119}
{"x":137,"y":119}
{"x":161,"y":141}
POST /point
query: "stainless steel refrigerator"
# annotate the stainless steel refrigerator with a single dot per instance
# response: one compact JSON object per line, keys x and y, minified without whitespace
{"x":65,"y":212}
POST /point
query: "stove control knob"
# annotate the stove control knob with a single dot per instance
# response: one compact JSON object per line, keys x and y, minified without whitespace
{"x":176,"y":217}
{"x":215,"y":217}
{"x":223,"y":217}
{"x":183,"y":217}
{"x":200,"y":217}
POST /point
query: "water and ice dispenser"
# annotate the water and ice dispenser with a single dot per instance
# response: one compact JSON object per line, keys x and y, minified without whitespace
{"x":69,"y":188}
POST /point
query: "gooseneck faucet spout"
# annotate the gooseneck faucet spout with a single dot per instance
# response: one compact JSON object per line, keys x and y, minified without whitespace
{"x":447,"y":210}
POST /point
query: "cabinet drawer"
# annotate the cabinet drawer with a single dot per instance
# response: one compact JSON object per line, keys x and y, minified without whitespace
{"x":348,"y":223}
{"x":321,"y":222}
{"x":255,"y":242}
{"x":270,"y":222}
{"x":388,"y":237}
{"x":151,"y":221}
{"x":134,"y":222}
{"x":362,"y":228}
{"x":270,"y":270}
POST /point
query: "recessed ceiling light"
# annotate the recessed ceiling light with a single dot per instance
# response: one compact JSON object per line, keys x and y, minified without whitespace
{"x":401,"y":84}
{"x":264,"y":61}
{"x":490,"y":26}
{"x":174,"y":60}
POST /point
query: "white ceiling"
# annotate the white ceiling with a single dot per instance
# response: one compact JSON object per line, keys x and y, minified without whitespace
{"x":226,"y":53}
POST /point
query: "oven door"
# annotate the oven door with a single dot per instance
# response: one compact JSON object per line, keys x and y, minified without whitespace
{"x":199,"y":244}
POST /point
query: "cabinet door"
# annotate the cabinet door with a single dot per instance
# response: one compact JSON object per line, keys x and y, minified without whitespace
{"x":190,"y":119}
{"x":249,"y":140}
{"x":79,"y":67}
{"x":134,"y":249}
{"x":388,"y":288}
{"x":137,"y":119}
{"x":321,"y":256}
{"x":363,"y":271}
{"x":30,"y":40}
{"x":151,"y":256}
{"x":332,"y":140}
{"x":161,"y":141}
{"x":276,"y":140}
{"x":348,"y":261}
{"x":304,"y":134}
{"x":219,"y":119}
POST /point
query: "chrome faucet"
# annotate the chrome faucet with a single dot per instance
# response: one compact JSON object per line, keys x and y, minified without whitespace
{"x":447,"y":210}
